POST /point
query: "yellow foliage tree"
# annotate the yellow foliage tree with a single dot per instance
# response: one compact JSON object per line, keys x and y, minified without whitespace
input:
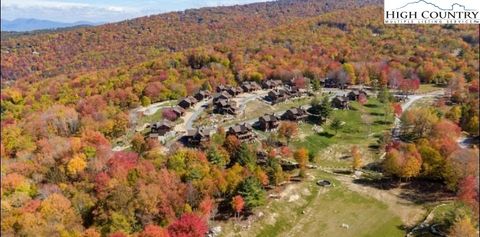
{"x":77,"y":164}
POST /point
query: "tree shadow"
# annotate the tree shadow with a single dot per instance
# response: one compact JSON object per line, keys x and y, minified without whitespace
{"x":344,"y":172}
{"x":421,"y":191}
{"x":371,"y":105}
{"x":326,"y":134}
{"x":377,"y":114}
{"x":381,"y":122}
{"x":381,"y":183}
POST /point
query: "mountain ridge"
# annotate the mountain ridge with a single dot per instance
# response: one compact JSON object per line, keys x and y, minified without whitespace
{"x":33,"y":24}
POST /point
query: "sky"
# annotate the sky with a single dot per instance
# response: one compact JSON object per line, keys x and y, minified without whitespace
{"x":101,"y":10}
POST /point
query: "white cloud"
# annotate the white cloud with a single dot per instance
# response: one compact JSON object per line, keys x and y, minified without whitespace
{"x":100,"y":10}
{"x":65,"y":11}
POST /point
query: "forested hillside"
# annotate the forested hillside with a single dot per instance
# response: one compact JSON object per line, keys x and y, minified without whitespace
{"x":69,"y":94}
{"x":133,"y":41}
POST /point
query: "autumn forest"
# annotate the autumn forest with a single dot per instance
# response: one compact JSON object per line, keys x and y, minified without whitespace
{"x":66,"y":117}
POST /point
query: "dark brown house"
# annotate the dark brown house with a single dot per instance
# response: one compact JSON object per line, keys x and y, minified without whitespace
{"x":160,"y":128}
{"x":221,"y":96}
{"x":187,"y":102}
{"x":276,"y":96}
{"x":355,"y":94}
{"x":249,"y":86}
{"x":221,"y":88}
{"x":178,"y":110}
{"x":295,"y":114}
{"x":234,"y":91}
{"x":293,"y":91}
{"x":244,"y":132}
{"x":340,"y":102}
{"x":335,"y":83}
{"x":202,"y":95}
{"x":270,"y":84}
{"x":268,"y":122}
{"x":197,"y":136}
{"x":226,"y":107}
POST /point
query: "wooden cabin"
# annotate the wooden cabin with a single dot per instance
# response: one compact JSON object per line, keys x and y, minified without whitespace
{"x":234,"y":91}
{"x":268,"y":122}
{"x":160,"y":128}
{"x":295,"y":114}
{"x":221,"y":88}
{"x":249,"y":86}
{"x":202,"y":95}
{"x":221,"y":96}
{"x":355,"y":94}
{"x":197,"y":136}
{"x":340,"y":102}
{"x":226,"y":107}
{"x":187,"y":102}
{"x":270,"y":84}
{"x":244,"y":132}
{"x":293,"y":91}
{"x":334,"y":83}
{"x":178,"y":110}
{"x":276,"y":96}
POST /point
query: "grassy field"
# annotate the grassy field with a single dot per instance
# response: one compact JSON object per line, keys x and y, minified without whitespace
{"x":362,"y":126}
{"x":310,"y":210}
{"x":426,"y":88}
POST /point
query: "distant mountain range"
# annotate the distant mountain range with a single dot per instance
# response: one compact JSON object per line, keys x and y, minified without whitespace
{"x":36,"y":24}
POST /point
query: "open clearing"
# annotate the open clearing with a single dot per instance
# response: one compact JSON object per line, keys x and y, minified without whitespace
{"x":317,"y":211}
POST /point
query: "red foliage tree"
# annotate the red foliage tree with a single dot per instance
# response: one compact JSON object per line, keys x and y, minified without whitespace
{"x":468,"y":190}
{"x":118,"y":234}
{"x":397,"y":109}
{"x":362,"y":99}
{"x":206,"y":206}
{"x":189,"y":225}
{"x":168,"y":113}
{"x":122,"y":162}
{"x":154,"y":231}
{"x":238,"y":204}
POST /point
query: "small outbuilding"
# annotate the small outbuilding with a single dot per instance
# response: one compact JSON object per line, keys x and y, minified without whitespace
{"x":355,"y":94}
{"x":340,"y":102}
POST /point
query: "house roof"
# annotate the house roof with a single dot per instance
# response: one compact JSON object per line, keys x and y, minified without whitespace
{"x":164,"y":123}
{"x":199,"y":131}
{"x":241,"y":128}
{"x":222,"y":94}
{"x":178,"y":109}
{"x":269,"y":118}
{"x":297,"y":111}
{"x":341,"y":98}
{"x":190,"y":99}
{"x":203,"y":93}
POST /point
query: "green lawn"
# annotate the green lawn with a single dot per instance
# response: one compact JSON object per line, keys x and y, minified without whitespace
{"x":363,"y":126}
{"x":325,"y":210}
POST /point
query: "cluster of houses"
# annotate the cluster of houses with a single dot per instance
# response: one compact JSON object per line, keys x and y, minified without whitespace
{"x":163,"y":127}
{"x":223,"y":99}
{"x":281,"y":92}
{"x":223,"y":103}
{"x":342,"y":101}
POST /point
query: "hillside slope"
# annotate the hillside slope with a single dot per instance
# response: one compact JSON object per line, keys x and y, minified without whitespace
{"x":133,"y":41}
